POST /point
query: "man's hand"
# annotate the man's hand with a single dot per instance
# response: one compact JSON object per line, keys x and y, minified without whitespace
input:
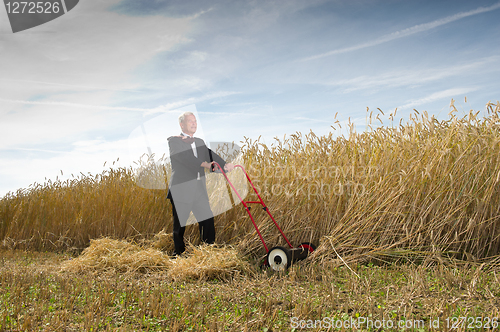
{"x":206,"y":165}
{"x":228,"y":167}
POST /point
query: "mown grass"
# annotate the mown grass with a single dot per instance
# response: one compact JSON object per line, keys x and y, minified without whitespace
{"x":38,"y":295}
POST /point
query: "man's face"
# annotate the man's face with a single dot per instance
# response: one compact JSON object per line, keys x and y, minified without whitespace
{"x":189,"y":125}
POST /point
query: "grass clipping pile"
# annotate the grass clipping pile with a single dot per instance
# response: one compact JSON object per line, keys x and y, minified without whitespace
{"x":204,"y":262}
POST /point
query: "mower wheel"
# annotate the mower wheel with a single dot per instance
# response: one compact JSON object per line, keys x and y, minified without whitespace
{"x":279,"y":258}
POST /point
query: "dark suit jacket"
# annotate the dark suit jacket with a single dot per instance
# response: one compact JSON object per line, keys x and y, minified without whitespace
{"x":183,"y":185}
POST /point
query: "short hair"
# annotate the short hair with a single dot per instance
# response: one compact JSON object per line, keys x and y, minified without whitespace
{"x":183,"y":116}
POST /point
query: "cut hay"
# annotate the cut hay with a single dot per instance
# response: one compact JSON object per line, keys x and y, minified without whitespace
{"x":121,"y":256}
{"x":208,"y":262}
{"x":163,"y":241}
{"x":116,"y":256}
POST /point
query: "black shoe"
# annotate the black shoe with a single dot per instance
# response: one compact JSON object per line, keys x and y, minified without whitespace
{"x":176,"y":254}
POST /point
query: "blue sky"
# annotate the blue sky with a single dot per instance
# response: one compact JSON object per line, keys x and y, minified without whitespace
{"x":74,"y":90}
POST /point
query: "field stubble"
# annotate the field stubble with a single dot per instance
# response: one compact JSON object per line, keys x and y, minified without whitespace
{"x":41,"y":293}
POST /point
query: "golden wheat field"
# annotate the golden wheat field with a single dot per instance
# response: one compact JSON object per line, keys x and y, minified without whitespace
{"x":425,"y":186}
{"x":421,"y":192}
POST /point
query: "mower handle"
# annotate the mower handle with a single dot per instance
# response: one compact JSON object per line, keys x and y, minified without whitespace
{"x":260,"y":201}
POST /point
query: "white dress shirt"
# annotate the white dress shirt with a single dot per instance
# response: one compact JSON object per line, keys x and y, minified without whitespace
{"x":193,"y":146}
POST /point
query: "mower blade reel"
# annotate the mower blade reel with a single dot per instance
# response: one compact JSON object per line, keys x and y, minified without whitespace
{"x":299,"y":254}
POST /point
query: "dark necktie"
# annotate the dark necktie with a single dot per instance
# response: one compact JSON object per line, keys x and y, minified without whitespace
{"x":187,"y":139}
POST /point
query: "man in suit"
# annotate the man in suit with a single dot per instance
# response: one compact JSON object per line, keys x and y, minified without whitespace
{"x":189,"y":157}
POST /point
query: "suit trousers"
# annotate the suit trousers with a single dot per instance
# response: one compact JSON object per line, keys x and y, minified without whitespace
{"x":200,"y":207}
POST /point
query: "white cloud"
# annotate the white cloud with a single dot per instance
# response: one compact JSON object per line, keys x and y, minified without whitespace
{"x":94,"y":48}
{"x":412,"y":77}
{"x":58,"y":78}
{"x":73,"y":105}
{"x":192,"y":100}
{"x":46,"y":123}
{"x":22,"y":170}
{"x":406,"y":32}
{"x":449,"y":93}
{"x":89,"y":47}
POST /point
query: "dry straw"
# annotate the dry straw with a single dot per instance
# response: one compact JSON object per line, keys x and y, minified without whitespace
{"x":117,"y":256}
{"x":107,"y":254}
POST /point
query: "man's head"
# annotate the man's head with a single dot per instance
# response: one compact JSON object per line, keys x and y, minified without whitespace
{"x":188,"y":124}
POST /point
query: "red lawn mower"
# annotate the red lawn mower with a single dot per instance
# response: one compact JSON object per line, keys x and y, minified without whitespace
{"x":278,"y":258}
